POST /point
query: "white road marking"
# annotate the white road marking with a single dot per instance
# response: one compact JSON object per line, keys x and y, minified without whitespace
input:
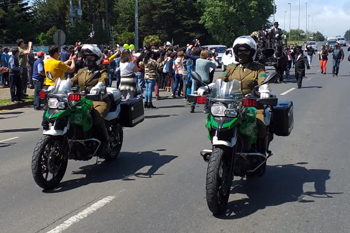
{"x":286,"y":92}
{"x":83,"y":214}
{"x":9,"y":139}
{"x":310,"y":78}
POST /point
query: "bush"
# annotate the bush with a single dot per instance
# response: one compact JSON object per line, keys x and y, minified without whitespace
{"x":152,"y":40}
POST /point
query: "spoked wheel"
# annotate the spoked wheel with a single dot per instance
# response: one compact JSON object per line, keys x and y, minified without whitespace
{"x":219,"y":181}
{"x":116,"y":142}
{"x":48,"y":162}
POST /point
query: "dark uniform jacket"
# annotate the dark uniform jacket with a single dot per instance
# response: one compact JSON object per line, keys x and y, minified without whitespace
{"x":300,"y":64}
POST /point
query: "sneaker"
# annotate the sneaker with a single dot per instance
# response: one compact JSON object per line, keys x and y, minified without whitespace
{"x":174,"y":96}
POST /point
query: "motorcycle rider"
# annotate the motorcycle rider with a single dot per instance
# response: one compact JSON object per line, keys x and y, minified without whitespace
{"x":249,"y":74}
{"x":94,"y":79}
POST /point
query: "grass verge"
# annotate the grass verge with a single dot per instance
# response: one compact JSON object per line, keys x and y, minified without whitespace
{"x":6,"y":102}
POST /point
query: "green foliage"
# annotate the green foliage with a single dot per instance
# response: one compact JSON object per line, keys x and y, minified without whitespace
{"x":318,"y":36}
{"x":297,"y":34}
{"x":152,"y":40}
{"x":126,"y":38}
{"x":347,"y":35}
{"x":227,"y":19}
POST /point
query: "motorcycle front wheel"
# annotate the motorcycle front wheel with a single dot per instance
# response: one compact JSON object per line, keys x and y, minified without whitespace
{"x":116,"y":142}
{"x":219,"y":180}
{"x":48,"y":162}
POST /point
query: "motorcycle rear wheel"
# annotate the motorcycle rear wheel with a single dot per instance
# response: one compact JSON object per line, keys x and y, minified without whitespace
{"x":117,"y":143}
{"x":48,"y":163}
{"x":218,"y":181}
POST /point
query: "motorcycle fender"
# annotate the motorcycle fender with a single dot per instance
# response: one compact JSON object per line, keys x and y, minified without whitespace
{"x":54,"y":132}
{"x":217,"y":142}
{"x":113,"y":115}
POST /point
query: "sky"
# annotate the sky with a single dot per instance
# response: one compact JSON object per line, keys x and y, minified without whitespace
{"x":330,"y":17}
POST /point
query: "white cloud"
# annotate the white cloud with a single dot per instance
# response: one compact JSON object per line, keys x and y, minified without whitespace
{"x":329,"y":17}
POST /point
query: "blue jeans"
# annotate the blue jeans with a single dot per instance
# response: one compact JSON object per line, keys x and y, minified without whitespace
{"x":309,"y":59}
{"x":140,"y":81}
{"x":38,"y":86}
{"x":336,"y":64}
{"x":149,"y":88}
{"x":178,"y":81}
{"x":110,"y":77}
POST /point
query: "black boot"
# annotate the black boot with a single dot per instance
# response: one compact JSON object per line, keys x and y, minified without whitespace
{"x":104,"y":147}
{"x":150,"y":105}
{"x":146,"y":104}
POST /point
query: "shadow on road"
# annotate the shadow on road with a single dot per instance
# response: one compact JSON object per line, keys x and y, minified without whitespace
{"x":173,"y":106}
{"x":4,"y":118}
{"x":159,"y":116}
{"x":126,"y":167}
{"x":10,"y":113}
{"x":312,"y":87}
{"x":3,"y":144}
{"x":18,"y":130}
{"x":280,"y":184}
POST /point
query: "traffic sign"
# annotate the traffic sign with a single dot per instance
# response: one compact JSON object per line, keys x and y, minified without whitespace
{"x":59,"y":37}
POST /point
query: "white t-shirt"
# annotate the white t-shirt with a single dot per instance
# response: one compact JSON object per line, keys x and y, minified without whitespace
{"x":126,"y":68}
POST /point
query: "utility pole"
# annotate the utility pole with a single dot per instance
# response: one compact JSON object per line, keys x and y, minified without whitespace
{"x":306,"y":19}
{"x":136,"y":24}
{"x":107,"y":21}
{"x":290,"y":18}
{"x":285,"y":13}
{"x":299,"y":17}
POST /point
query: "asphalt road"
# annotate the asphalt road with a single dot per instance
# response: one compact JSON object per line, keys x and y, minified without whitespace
{"x":158,"y":182}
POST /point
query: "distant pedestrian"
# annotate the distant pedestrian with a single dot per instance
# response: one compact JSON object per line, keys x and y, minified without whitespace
{"x":178,"y":81}
{"x":338,"y":56}
{"x":128,"y":80}
{"x":15,"y":79}
{"x":300,"y":64}
{"x":323,"y":59}
{"x":38,"y":78}
{"x":310,"y":52}
{"x":22,"y":58}
{"x":5,"y":59}
{"x":30,"y":63}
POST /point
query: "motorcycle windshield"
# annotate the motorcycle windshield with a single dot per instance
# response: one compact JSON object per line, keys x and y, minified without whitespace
{"x":227,"y":90}
{"x":62,"y":86}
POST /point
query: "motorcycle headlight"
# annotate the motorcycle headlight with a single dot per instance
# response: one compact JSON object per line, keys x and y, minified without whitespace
{"x":218,"y":110}
{"x":54,"y":103}
{"x":231,"y":113}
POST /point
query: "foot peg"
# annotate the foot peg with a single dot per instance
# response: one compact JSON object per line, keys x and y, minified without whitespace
{"x":206,"y":153}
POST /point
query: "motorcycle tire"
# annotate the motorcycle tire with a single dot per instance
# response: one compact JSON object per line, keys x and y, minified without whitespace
{"x":117,"y":146}
{"x":218,"y":181}
{"x":47,"y":162}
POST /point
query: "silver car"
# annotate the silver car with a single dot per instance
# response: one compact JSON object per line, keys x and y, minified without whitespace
{"x":313,"y":44}
{"x":219,"y":49}
{"x":341,"y":41}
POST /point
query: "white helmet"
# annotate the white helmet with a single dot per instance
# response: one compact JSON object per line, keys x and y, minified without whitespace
{"x":92,"y":50}
{"x":244,"y":43}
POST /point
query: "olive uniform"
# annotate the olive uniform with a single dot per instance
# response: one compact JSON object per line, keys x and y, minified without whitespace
{"x":249,"y":76}
{"x":100,"y":108}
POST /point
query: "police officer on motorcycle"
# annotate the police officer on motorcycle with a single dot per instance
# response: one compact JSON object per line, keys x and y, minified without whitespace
{"x":93,"y":79}
{"x":250,"y":74}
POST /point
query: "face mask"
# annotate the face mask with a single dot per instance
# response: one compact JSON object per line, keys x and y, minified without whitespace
{"x":244,"y":58}
{"x":90,"y":64}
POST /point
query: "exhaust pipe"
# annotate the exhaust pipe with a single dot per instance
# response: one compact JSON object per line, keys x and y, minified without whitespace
{"x":206,"y":153}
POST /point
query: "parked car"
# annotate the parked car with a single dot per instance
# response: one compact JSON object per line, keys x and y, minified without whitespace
{"x":219,"y":49}
{"x":341,"y":41}
{"x":313,"y":44}
{"x":331,"y":43}
{"x":228,"y":58}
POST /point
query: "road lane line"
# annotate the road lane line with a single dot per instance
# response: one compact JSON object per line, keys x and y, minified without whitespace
{"x":83,"y":214}
{"x":9,"y":139}
{"x":286,"y":92}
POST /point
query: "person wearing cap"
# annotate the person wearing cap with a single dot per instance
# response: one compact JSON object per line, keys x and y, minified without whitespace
{"x":38,"y":78}
{"x":22,"y":58}
{"x":15,"y":79}
{"x":276,"y":34}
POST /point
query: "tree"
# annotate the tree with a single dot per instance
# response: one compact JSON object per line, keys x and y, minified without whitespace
{"x":297,"y":34}
{"x":152,"y":40}
{"x":347,"y":35}
{"x":318,"y":36}
{"x":227,"y":19}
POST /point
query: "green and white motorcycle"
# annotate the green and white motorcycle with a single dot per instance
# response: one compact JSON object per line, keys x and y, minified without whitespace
{"x":232,"y":130}
{"x":71,"y":134}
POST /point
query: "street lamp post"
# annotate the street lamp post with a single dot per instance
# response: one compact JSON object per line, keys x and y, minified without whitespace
{"x":290,"y":18}
{"x":306,"y":19}
{"x":136,"y":24}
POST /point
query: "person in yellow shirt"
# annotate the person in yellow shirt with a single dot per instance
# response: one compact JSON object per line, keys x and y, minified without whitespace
{"x":56,"y":67}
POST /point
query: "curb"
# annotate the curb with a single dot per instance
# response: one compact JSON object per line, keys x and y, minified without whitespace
{"x":18,"y":105}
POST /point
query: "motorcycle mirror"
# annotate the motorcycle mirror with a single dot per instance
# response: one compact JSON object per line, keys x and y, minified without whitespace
{"x":198,"y":78}
{"x":49,"y":75}
{"x":270,"y":78}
